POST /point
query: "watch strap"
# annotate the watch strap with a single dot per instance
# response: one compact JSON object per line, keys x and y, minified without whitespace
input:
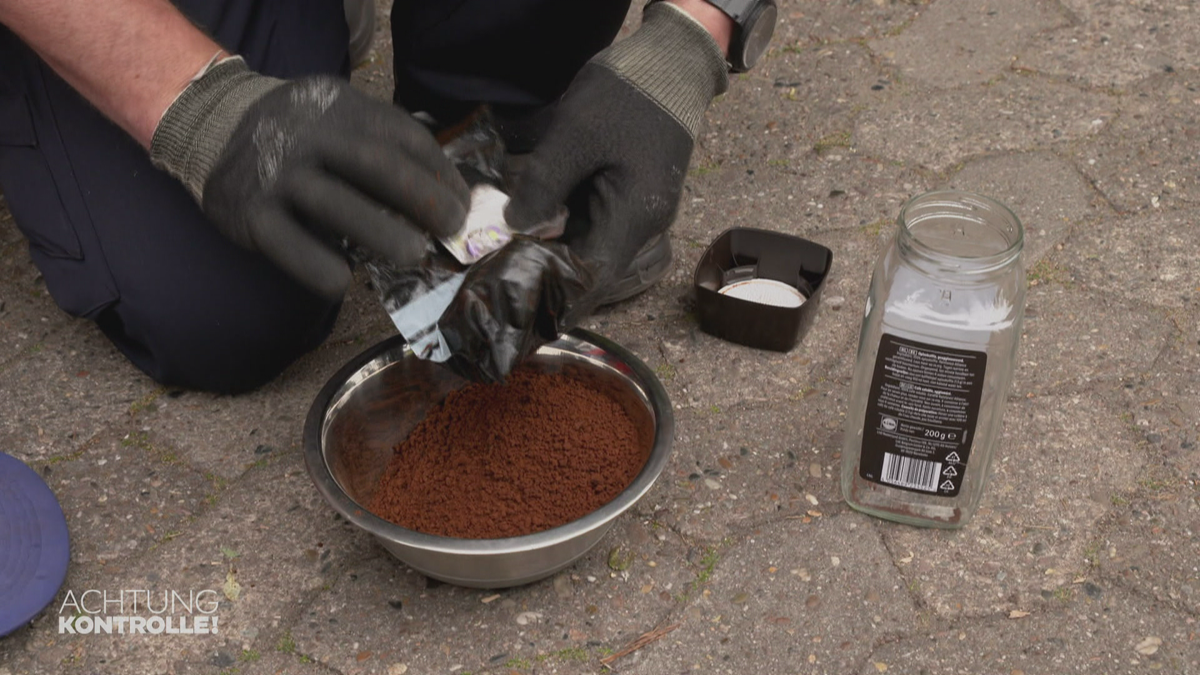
{"x":745,"y":14}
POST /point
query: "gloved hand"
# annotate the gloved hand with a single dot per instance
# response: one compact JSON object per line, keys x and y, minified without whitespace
{"x":293,"y":168}
{"x":511,"y":302}
{"x":617,"y":148}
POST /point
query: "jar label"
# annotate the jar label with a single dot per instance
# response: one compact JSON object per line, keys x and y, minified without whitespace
{"x":921,"y":414}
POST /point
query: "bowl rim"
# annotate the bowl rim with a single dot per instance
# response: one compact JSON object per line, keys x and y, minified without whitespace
{"x":341,"y":502}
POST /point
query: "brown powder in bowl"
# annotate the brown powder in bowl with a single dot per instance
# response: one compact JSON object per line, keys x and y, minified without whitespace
{"x":503,"y":460}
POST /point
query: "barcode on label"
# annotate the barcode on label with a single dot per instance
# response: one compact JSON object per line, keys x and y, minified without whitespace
{"x":917,"y":474}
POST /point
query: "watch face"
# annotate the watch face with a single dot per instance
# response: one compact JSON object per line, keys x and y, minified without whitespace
{"x":758,"y":35}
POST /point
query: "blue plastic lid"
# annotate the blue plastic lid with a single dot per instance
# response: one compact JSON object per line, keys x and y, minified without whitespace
{"x":34,"y":544}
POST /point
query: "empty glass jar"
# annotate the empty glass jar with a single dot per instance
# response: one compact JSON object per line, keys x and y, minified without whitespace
{"x":936,"y":354}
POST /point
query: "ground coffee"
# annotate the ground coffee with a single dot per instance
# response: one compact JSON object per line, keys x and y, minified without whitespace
{"x":502,"y":460}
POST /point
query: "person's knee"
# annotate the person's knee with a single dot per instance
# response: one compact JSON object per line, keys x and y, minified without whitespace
{"x":227,"y":353}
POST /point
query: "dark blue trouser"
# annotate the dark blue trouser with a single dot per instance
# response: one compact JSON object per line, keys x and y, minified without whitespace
{"x":451,"y":53}
{"x":122,"y":243}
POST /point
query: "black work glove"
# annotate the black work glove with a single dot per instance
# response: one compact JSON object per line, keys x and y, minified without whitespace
{"x":615,"y":151}
{"x":293,"y":169}
{"x":617,"y":147}
{"x":511,"y":302}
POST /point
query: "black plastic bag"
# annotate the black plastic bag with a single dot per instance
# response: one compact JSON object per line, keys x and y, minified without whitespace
{"x":505,"y":305}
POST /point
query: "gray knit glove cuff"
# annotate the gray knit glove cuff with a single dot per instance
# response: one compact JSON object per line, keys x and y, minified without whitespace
{"x":194,"y":130}
{"x":674,"y":61}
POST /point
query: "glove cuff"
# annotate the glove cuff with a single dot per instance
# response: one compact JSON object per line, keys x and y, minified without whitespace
{"x":674,"y":61}
{"x":195,"y":128}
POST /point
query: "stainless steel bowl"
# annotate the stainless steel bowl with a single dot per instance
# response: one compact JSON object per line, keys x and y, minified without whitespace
{"x":373,"y":403}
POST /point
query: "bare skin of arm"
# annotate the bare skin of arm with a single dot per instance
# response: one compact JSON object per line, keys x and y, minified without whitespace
{"x":718,"y":24}
{"x":129,"y":58}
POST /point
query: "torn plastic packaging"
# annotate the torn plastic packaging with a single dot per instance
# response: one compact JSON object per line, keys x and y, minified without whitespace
{"x":477,"y":310}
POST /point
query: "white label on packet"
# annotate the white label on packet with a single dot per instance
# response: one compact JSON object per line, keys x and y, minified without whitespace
{"x":484,"y":230}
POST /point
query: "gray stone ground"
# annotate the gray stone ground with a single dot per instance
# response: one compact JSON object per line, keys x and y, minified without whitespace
{"x":1085,"y":556}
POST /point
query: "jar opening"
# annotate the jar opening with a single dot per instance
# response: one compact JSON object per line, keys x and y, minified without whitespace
{"x":961,"y":226}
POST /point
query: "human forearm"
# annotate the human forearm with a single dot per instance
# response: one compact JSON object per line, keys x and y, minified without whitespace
{"x":129,"y":58}
{"x":716,"y":22}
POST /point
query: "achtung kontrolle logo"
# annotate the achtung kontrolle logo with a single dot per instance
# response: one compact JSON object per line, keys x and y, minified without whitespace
{"x":138,"y":612}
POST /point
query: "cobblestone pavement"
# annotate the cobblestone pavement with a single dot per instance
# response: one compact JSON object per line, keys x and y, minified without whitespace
{"x":1084,"y":557}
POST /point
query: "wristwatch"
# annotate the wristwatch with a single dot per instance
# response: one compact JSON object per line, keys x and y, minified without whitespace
{"x":754,"y":24}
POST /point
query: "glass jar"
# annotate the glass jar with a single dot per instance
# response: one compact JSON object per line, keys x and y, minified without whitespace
{"x":936,"y":354}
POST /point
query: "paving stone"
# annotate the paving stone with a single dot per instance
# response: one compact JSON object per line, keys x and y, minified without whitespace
{"x":710,"y":374}
{"x":28,"y":316}
{"x":800,"y":98}
{"x":362,"y":319}
{"x":1151,"y":541}
{"x":64,"y":392}
{"x":194,"y":655}
{"x":798,"y":171}
{"x":954,"y":43}
{"x":1110,"y":43}
{"x":810,"y":195}
{"x":382,"y":612}
{"x":1163,"y":406}
{"x":1080,"y":635}
{"x":1148,"y":261}
{"x":937,"y":128}
{"x":789,"y":598}
{"x":703,"y":372}
{"x":1145,"y":159}
{"x":246,"y":662}
{"x":1058,"y":462}
{"x":750,"y":464}
{"x":266,"y":546}
{"x":34,"y":655}
{"x":43,"y":649}
{"x":9,"y":233}
{"x":222,"y":436}
{"x":1150,"y":544}
{"x":122,"y":496}
{"x":1079,"y":114}
{"x":1043,"y":190}
{"x":374,"y":74}
{"x":16,"y":655}
{"x":1073,"y":337}
{"x":817,"y":21}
